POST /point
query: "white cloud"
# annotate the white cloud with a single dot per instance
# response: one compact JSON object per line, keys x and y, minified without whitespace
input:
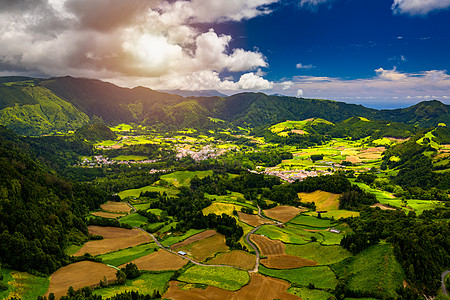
{"x":419,"y":7}
{"x":299,"y":93}
{"x":386,"y":87}
{"x":312,"y":2}
{"x":302,"y":66}
{"x":135,"y":39}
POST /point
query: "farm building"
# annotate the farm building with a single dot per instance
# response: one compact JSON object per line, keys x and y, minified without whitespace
{"x":334,"y":230}
{"x":182,"y":253}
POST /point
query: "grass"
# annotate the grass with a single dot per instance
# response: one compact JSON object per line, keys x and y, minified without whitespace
{"x":147,"y":283}
{"x":222,"y":277}
{"x":121,"y":257}
{"x":311,"y":221}
{"x":173,"y":239}
{"x":232,"y":198}
{"x":72,"y":249}
{"x":323,"y":255}
{"x":321,"y":276}
{"x":142,"y":206}
{"x":374,"y":270}
{"x":331,"y":238}
{"x":183,"y":178}
{"x":23,"y":285}
{"x":134,"y":220}
{"x":130,"y":157}
{"x":136,"y":192}
{"x":323,"y":200}
{"x":308,"y":294}
{"x":290,"y":234}
{"x":221,"y":208}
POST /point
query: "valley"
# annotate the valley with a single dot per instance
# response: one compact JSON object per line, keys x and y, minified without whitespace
{"x":202,"y":198}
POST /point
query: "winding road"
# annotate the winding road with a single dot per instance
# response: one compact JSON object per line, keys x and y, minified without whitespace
{"x":444,"y":289}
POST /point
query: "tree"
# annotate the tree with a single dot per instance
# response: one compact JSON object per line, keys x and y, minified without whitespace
{"x":121,"y":277}
{"x":131,"y":271}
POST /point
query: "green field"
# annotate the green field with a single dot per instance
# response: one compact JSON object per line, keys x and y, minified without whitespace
{"x":311,"y":222}
{"x":221,"y":277}
{"x":130,"y":157}
{"x":147,"y":283}
{"x":290,"y":234}
{"x":123,"y":256}
{"x":183,"y":178}
{"x":321,"y":276}
{"x":308,"y":294}
{"x":23,"y":285}
{"x":122,"y":127}
{"x":323,"y":255}
{"x":374,"y":270}
{"x":150,"y":188}
{"x":72,"y":249}
{"x":134,"y":220}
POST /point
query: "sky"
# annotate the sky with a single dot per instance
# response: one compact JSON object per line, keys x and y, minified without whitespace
{"x":378,"y":53}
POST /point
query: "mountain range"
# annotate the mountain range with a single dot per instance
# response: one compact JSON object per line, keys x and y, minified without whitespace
{"x":32,"y":106}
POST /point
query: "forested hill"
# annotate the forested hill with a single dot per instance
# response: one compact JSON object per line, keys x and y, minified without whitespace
{"x":39,"y":106}
{"x":40,"y":213}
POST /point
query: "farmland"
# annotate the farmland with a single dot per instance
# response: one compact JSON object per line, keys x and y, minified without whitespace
{"x":159,"y":261}
{"x":205,"y":247}
{"x":323,"y":255}
{"x":22,"y":285}
{"x":120,"y":257}
{"x":282,"y":213}
{"x":236,"y":258}
{"x":285,"y":261}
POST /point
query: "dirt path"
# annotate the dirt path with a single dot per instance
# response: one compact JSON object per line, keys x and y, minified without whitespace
{"x":444,"y":289}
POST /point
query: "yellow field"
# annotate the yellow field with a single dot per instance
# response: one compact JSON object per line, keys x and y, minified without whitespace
{"x":220,"y":208}
{"x":324,"y":200}
{"x":205,"y":248}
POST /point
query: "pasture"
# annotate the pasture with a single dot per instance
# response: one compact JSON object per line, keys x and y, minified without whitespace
{"x":78,"y":275}
{"x":236,"y":258}
{"x":374,"y":270}
{"x":308,"y":294}
{"x":266,"y":245}
{"x":323,"y":255}
{"x":183,"y":178}
{"x":322,"y":276}
{"x":160,"y":260}
{"x":146,"y":283}
{"x":282,"y":213}
{"x":205,"y":248}
{"x":325,"y":201}
{"x":260,"y":287}
{"x":134,"y":220}
{"x":113,"y":239}
{"x":291,"y":233}
{"x":193,"y":238}
{"x":222,"y":277}
{"x":123,"y":256}
{"x":220,"y":208}
{"x":284,"y":261}
{"x":134,"y":193}
{"x":313,"y":222}
{"x":23,"y":285}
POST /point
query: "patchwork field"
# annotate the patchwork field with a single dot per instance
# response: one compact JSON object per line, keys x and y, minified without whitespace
{"x":236,"y":258}
{"x":116,"y":207}
{"x":284,"y":261}
{"x":159,"y":261}
{"x":222,"y":277}
{"x":290,"y":233}
{"x":146,"y":283}
{"x":108,"y":215}
{"x":123,"y":256}
{"x":325,"y":201}
{"x":260,"y":287}
{"x":322,"y":276}
{"x":194,"y":238}
{"x":266,"y":245}
{"x":253,"y":220}
{"x":323,"y":255}
{"x":78,"y":275}
{"x":23,"y":285}
{"x":113,"y":239}
{"x":206,"y":247}
{"x":282,"y":213}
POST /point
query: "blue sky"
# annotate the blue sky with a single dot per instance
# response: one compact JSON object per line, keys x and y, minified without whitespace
{"x":379,"y":53}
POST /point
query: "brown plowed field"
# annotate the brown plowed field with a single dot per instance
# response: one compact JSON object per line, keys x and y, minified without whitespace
{"x":253,"y":220}
{"x":205,"y":248}
{"x":282,"y":213}
{"x":194,"y":238}
{"x":78,"y":275}
{"x":107,"y":215}
{"x":266,"y":245}
{"x":237,"y":258}
{"x":159,"y":261}
{"x":113,"y":239}
{"x":260,"y":288}
{"x":119,"y":207}
{"x":285,"y":261}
